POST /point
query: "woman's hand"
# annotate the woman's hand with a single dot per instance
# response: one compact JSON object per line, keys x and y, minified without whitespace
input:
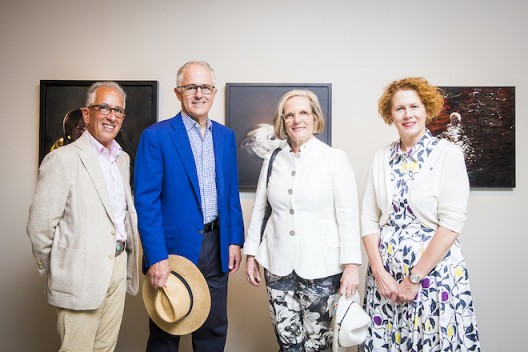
{"x":252,"y":270}
{"x":387,"y":286}
{"x":407,"y":291}
{"x":385,"y":283}
{"x":349,"y":280}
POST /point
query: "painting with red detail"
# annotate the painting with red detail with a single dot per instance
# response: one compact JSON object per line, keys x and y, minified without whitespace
{"x":481,"y":120}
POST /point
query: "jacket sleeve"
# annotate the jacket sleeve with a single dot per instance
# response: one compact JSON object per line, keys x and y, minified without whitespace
{"x":48,"y":205}
{"x":148,"y":182}
{"x":235,"y":209}
{"x":346,"y":209}
{"x":454,"y":190}
{"x":257,"y":215}
{"x":370,"y":211}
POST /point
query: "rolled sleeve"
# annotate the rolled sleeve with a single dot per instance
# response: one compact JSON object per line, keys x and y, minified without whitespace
{"x":454,"y":191}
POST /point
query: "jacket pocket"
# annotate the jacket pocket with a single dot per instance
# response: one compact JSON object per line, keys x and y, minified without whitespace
{"x":67,"y":270}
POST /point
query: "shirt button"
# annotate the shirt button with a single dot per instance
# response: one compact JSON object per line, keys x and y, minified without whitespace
{"x":297,"y":155}
{"x":292,"y":233}
{"x":290,"y":191}
{"x":291,"y":211}
{"x":293,"y":173}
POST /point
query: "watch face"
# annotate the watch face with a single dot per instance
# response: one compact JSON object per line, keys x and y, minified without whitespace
{"x":415,"y":279}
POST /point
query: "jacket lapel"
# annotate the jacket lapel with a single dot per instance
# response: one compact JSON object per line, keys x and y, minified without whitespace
{"x":125,"y":175}
{"x":93,"y":169}
{"x":180,"y":139}
{"x":124,"y":168}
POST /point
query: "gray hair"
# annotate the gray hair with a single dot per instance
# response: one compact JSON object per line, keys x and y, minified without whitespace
{"x":90,"y":95}
{"x":182,"y":69}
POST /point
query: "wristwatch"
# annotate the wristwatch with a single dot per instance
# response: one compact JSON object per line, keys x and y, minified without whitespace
{"x":415,"y":278}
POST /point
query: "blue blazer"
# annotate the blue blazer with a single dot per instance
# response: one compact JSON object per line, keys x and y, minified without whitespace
{"x":167,"y":193}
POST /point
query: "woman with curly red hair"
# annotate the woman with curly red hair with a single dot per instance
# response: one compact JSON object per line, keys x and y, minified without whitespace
{"x":414,"y":207}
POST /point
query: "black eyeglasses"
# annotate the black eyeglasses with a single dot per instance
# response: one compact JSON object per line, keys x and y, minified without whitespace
{"x":191,"y":89}
{"x":106,"y":110}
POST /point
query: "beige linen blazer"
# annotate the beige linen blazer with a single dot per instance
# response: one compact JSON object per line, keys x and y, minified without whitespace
{"x":71,"y":229}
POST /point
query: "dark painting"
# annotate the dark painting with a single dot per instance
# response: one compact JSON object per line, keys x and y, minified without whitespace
{"x":249,"y":112}
{"x":481,"y":120}
{"x":58,"y":97}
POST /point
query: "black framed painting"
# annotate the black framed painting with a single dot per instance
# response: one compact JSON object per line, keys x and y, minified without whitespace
{"x":481,"y":120}
{"x":60,"y":97}
{"x":249,"y":113}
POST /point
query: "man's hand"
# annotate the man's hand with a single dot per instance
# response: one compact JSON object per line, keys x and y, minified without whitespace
{"x":159,"y":273}
{"x":235,"y":257}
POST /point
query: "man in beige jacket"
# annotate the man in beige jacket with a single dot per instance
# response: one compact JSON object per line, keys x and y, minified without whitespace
{"x":83,"y":227}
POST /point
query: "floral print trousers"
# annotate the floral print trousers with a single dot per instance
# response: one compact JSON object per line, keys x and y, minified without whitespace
{"x":300,"y":311}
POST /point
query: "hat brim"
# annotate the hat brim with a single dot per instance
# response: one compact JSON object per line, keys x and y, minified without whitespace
{"x":352,"y":308}
{"x":201,"y":298}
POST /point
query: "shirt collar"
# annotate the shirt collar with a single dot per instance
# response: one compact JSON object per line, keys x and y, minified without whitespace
{"x":306,"y":146}
{"x":113,"y":151}
{"x":190,"y":123}
{"x":395,"y":150}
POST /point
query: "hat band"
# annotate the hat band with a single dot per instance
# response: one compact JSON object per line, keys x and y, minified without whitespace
{"x":182,"y":279}
{"x":341,"y":322}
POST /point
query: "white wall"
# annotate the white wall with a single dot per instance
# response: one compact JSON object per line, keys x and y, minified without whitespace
{"x":358,"y":46}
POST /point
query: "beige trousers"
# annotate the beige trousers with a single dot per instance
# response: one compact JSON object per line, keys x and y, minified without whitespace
{"x":96,"y":330}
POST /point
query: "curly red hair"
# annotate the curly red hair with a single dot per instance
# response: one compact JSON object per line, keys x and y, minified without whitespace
{"x":431,"y":96}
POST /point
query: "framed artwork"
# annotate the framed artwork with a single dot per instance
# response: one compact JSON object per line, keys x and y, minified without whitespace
{"x":249,"y":113}
{"x":59,"y":97}
{"x":481,"y":120}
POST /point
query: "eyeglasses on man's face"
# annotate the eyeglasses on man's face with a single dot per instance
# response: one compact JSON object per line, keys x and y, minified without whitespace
{"x":191,"y":89}
{"x":105,"y":109}
{"x":304,"y":115}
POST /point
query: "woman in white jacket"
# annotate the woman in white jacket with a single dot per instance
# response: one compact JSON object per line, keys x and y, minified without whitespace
{"x":311,"y":246}
{"x":414,"y":207}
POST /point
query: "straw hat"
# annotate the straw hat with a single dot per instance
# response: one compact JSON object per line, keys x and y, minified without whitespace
{"x":350,"y":323}
{"x":183,"y":305}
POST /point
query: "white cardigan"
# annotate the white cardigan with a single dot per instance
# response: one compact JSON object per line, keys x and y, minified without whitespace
{"x":314,"y":226}
{"x":438,"y":196}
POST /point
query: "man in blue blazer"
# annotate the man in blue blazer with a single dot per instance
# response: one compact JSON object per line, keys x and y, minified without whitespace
{"x":187,"y":199}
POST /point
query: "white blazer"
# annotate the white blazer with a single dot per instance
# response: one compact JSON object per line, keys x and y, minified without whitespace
{"x":314,"y":225}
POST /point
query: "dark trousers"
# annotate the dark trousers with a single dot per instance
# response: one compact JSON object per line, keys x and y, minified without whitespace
{"x":211,"y":336}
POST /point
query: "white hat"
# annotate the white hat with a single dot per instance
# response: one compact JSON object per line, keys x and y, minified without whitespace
{"x":350,"y":323}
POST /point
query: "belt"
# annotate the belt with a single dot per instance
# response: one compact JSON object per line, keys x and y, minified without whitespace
{"x":211,"y":226}
{"x":120,"y":247}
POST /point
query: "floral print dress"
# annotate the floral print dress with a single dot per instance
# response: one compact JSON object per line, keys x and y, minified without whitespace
{"x":441,"y":318}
